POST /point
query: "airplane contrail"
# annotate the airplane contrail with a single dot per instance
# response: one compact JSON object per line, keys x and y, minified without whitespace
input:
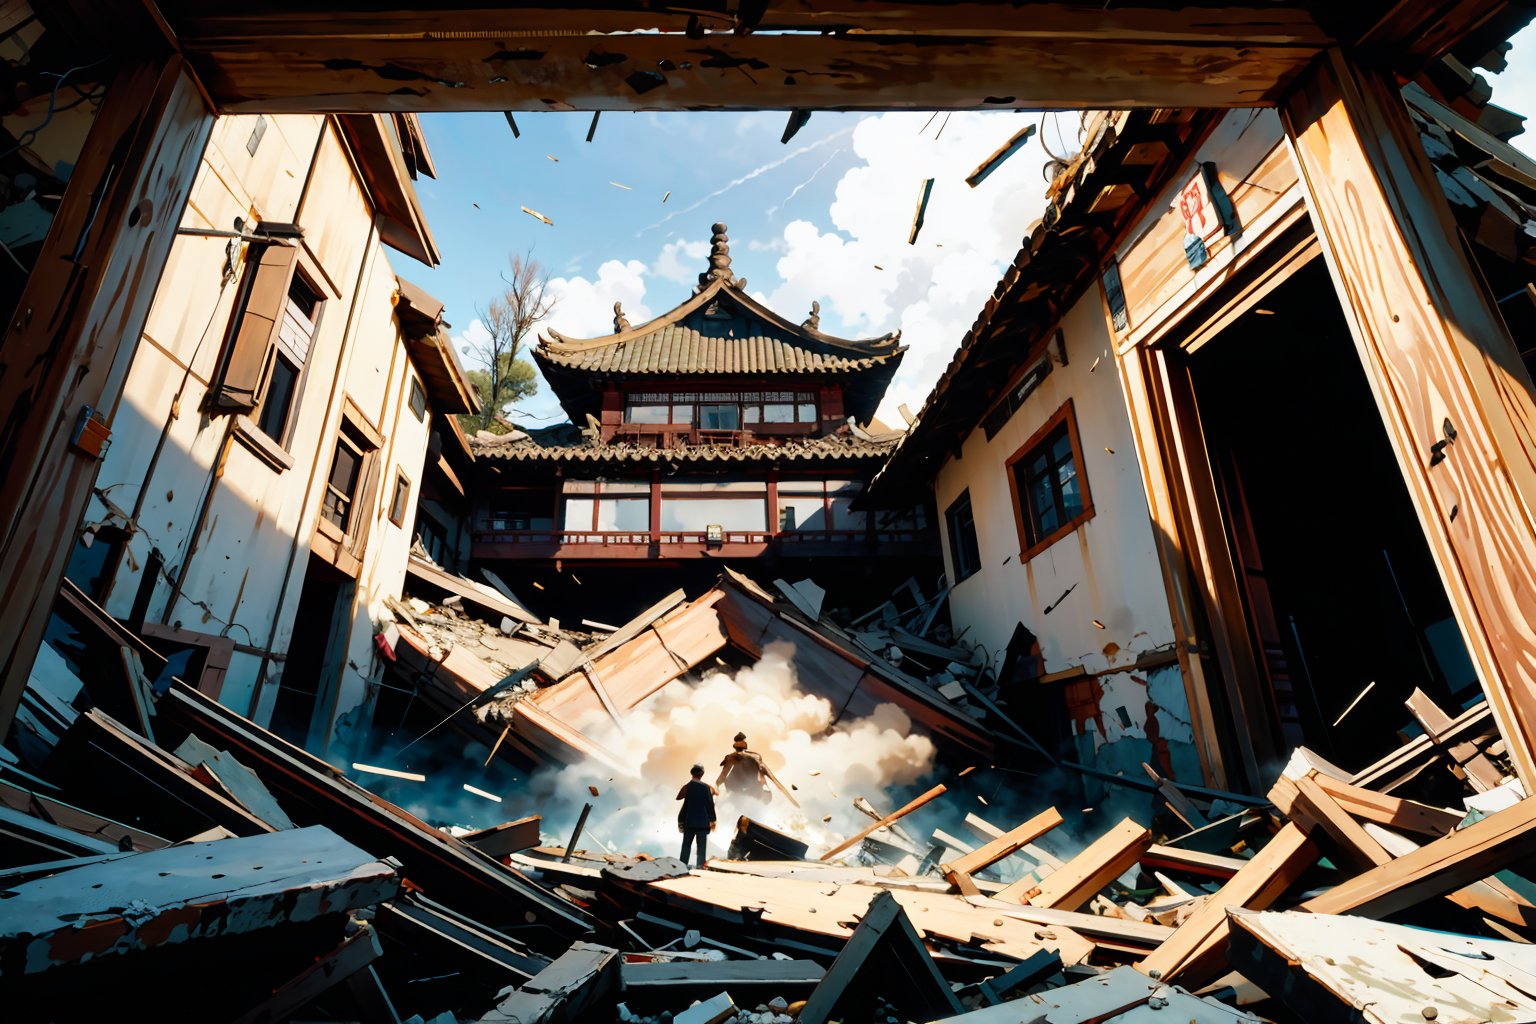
{"x":755,"y":172}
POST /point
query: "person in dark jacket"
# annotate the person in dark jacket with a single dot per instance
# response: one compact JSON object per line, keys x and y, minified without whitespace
{"x":696,"y":819}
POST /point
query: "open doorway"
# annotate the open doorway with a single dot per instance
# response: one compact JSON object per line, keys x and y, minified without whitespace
{"x":1345,"y":610}
{"x":315,"y":651}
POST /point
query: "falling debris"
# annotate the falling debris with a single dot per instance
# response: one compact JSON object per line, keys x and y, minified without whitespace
{"x":592,"y":129}
{"x":536,"y":215}
{"x":593,"y":791}
{"x":1098,"y":625}
{"x":922,"y":209}
{"x":480,"y":792}
{"x":797,"y":120}
{"x":551,"y":156}
{"x":995,"y":161}
{"x":667,"y":196}
{"x":814,"y":772}
{"x":626,"y":188}
{"x":392,"y":773}
{"x":512,"y":123}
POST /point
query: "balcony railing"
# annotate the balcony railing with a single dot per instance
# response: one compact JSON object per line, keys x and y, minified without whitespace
{"x":684,"y":543}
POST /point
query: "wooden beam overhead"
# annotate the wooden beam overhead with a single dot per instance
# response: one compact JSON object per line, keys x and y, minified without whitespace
{"x":377,"y":55}
{"x":670,"y":71}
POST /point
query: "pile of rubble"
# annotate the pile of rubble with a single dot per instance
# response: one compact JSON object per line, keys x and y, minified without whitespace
{"x":157,"y":843}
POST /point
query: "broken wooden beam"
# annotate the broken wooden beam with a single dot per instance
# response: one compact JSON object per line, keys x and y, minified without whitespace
{"x":793,"y":979}
{"x":1391,"y":811}
{"x":1077,"y":881}
{"x":1195,"y":952}
{"x":564,"y":991}
{"x":1469,"y":759}
{"x":958,"y":871}
{"x":501,"y":841}
{"x":1003,"y":152}
{"x":354,"y":954}
{"x":897,"y":815}
{"x":183,"y":894}
{"x":884,"y":957}
{"x":1499,"y":841}
{"x":313,"y":792}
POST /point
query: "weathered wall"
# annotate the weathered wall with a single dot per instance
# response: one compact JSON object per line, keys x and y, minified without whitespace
{"x":241,"y":571}
{"x":1106,"y":570}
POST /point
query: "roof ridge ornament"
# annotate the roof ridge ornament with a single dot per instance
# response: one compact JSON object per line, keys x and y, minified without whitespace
{"x":620,"y":321}
{"x":813,"y":322}
{"x":719,"y":260}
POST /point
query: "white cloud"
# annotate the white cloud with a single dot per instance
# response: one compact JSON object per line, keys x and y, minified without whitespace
{"x":584,"y":308}
{"x":866,"y":276}
{"x":681,"y":261}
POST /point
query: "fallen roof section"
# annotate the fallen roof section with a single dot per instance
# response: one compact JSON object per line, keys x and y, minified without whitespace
{"x":183,"y":894}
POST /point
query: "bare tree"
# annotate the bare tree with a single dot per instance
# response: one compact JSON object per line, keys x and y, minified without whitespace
{"x":504,"y":376}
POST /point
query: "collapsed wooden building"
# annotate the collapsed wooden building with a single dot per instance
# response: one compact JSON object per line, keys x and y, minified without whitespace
{"x":1329,"y":176}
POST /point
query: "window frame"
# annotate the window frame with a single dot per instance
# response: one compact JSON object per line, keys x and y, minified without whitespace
{"x":1030,"y":546}
{"x":950,"y":536}
{"x":417,"y":396}
{"x":400,"y":498}
{"x":281,"y":350}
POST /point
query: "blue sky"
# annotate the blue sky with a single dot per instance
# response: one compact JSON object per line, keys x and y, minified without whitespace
{"x":824,"y":217}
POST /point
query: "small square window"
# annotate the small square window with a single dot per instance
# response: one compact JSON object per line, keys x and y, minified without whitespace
{"x":401,"y":498}
{"x":418,"y":399}
{"x":964,"y":551}
{"x":1049,"y":492}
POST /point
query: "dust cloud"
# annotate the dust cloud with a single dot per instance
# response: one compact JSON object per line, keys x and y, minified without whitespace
{"x":687,"y":722}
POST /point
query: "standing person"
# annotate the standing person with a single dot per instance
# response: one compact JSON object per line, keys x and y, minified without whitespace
{"x":743,"y":773}
{"x":696,"y":818}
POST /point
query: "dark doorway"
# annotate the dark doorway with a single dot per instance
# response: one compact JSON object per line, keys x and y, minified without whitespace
{"x":1341,"y":595}
{"x":314,"y":651}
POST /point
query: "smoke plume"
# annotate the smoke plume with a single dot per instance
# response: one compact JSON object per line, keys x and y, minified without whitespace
{"x":826,"y":760}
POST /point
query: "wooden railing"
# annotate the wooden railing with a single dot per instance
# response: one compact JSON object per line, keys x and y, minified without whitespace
{"x":538,"y":543}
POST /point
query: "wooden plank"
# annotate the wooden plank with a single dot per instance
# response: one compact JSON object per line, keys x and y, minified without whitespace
{"x":312,"y":791}
{"x":1197,"y":949}
{"x":847,"y":71}
{"x":789,"y":978}
{"x":1436,"y":352}
{"x":65,"y":815}
{"x":1182,"y":807}
{"x":88,"y":298}
{"x":355,"y":953}
{"x":1312,"y":808}
{"x":637,"y":625}
{"x":1445,"y":865}
{"x":1480,"y":771}
{"x":885,"y":957}
{"x":507,"y":838}
{"x":1080,"y":879}
{"x":1005,"y":845}
{"x":1407,"y":761}
{"x":185,"y":893}
{"x":1192,"y":862}
{"x":1391,"y":811}
{"x":564,"y":991}
{"x":896,"y":815}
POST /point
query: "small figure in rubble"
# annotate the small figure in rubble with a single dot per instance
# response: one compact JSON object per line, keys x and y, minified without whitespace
{"x":696,"y":819}
{"x":743,"y":773}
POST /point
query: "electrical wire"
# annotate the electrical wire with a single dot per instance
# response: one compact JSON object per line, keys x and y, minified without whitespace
{"x":29,"y":136}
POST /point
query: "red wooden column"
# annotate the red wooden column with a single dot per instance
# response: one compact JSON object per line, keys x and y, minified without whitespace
{"x":1441,"y":364}
{"x":76,"y":329}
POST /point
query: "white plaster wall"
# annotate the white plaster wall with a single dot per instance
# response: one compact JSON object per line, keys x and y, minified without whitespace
{"x":1109,"y":563}
{"x":257,"y":531}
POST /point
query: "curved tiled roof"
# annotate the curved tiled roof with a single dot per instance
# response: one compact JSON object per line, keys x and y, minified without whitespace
{"x":564,"y":444}
{"x":721,"y":330}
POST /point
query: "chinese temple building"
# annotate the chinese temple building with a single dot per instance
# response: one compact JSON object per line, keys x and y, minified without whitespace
{"x":720,"y":430}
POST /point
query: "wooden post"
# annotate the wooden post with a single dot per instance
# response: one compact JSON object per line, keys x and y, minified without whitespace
{"x":76,"y":329}
{"x":1077,"y":881}
{"x":1453,"y":392}
{"x":934,"y":793}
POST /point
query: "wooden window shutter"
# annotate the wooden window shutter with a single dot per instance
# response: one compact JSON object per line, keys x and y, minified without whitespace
{"x":256,"y":330}
{"x":363,"y":503}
